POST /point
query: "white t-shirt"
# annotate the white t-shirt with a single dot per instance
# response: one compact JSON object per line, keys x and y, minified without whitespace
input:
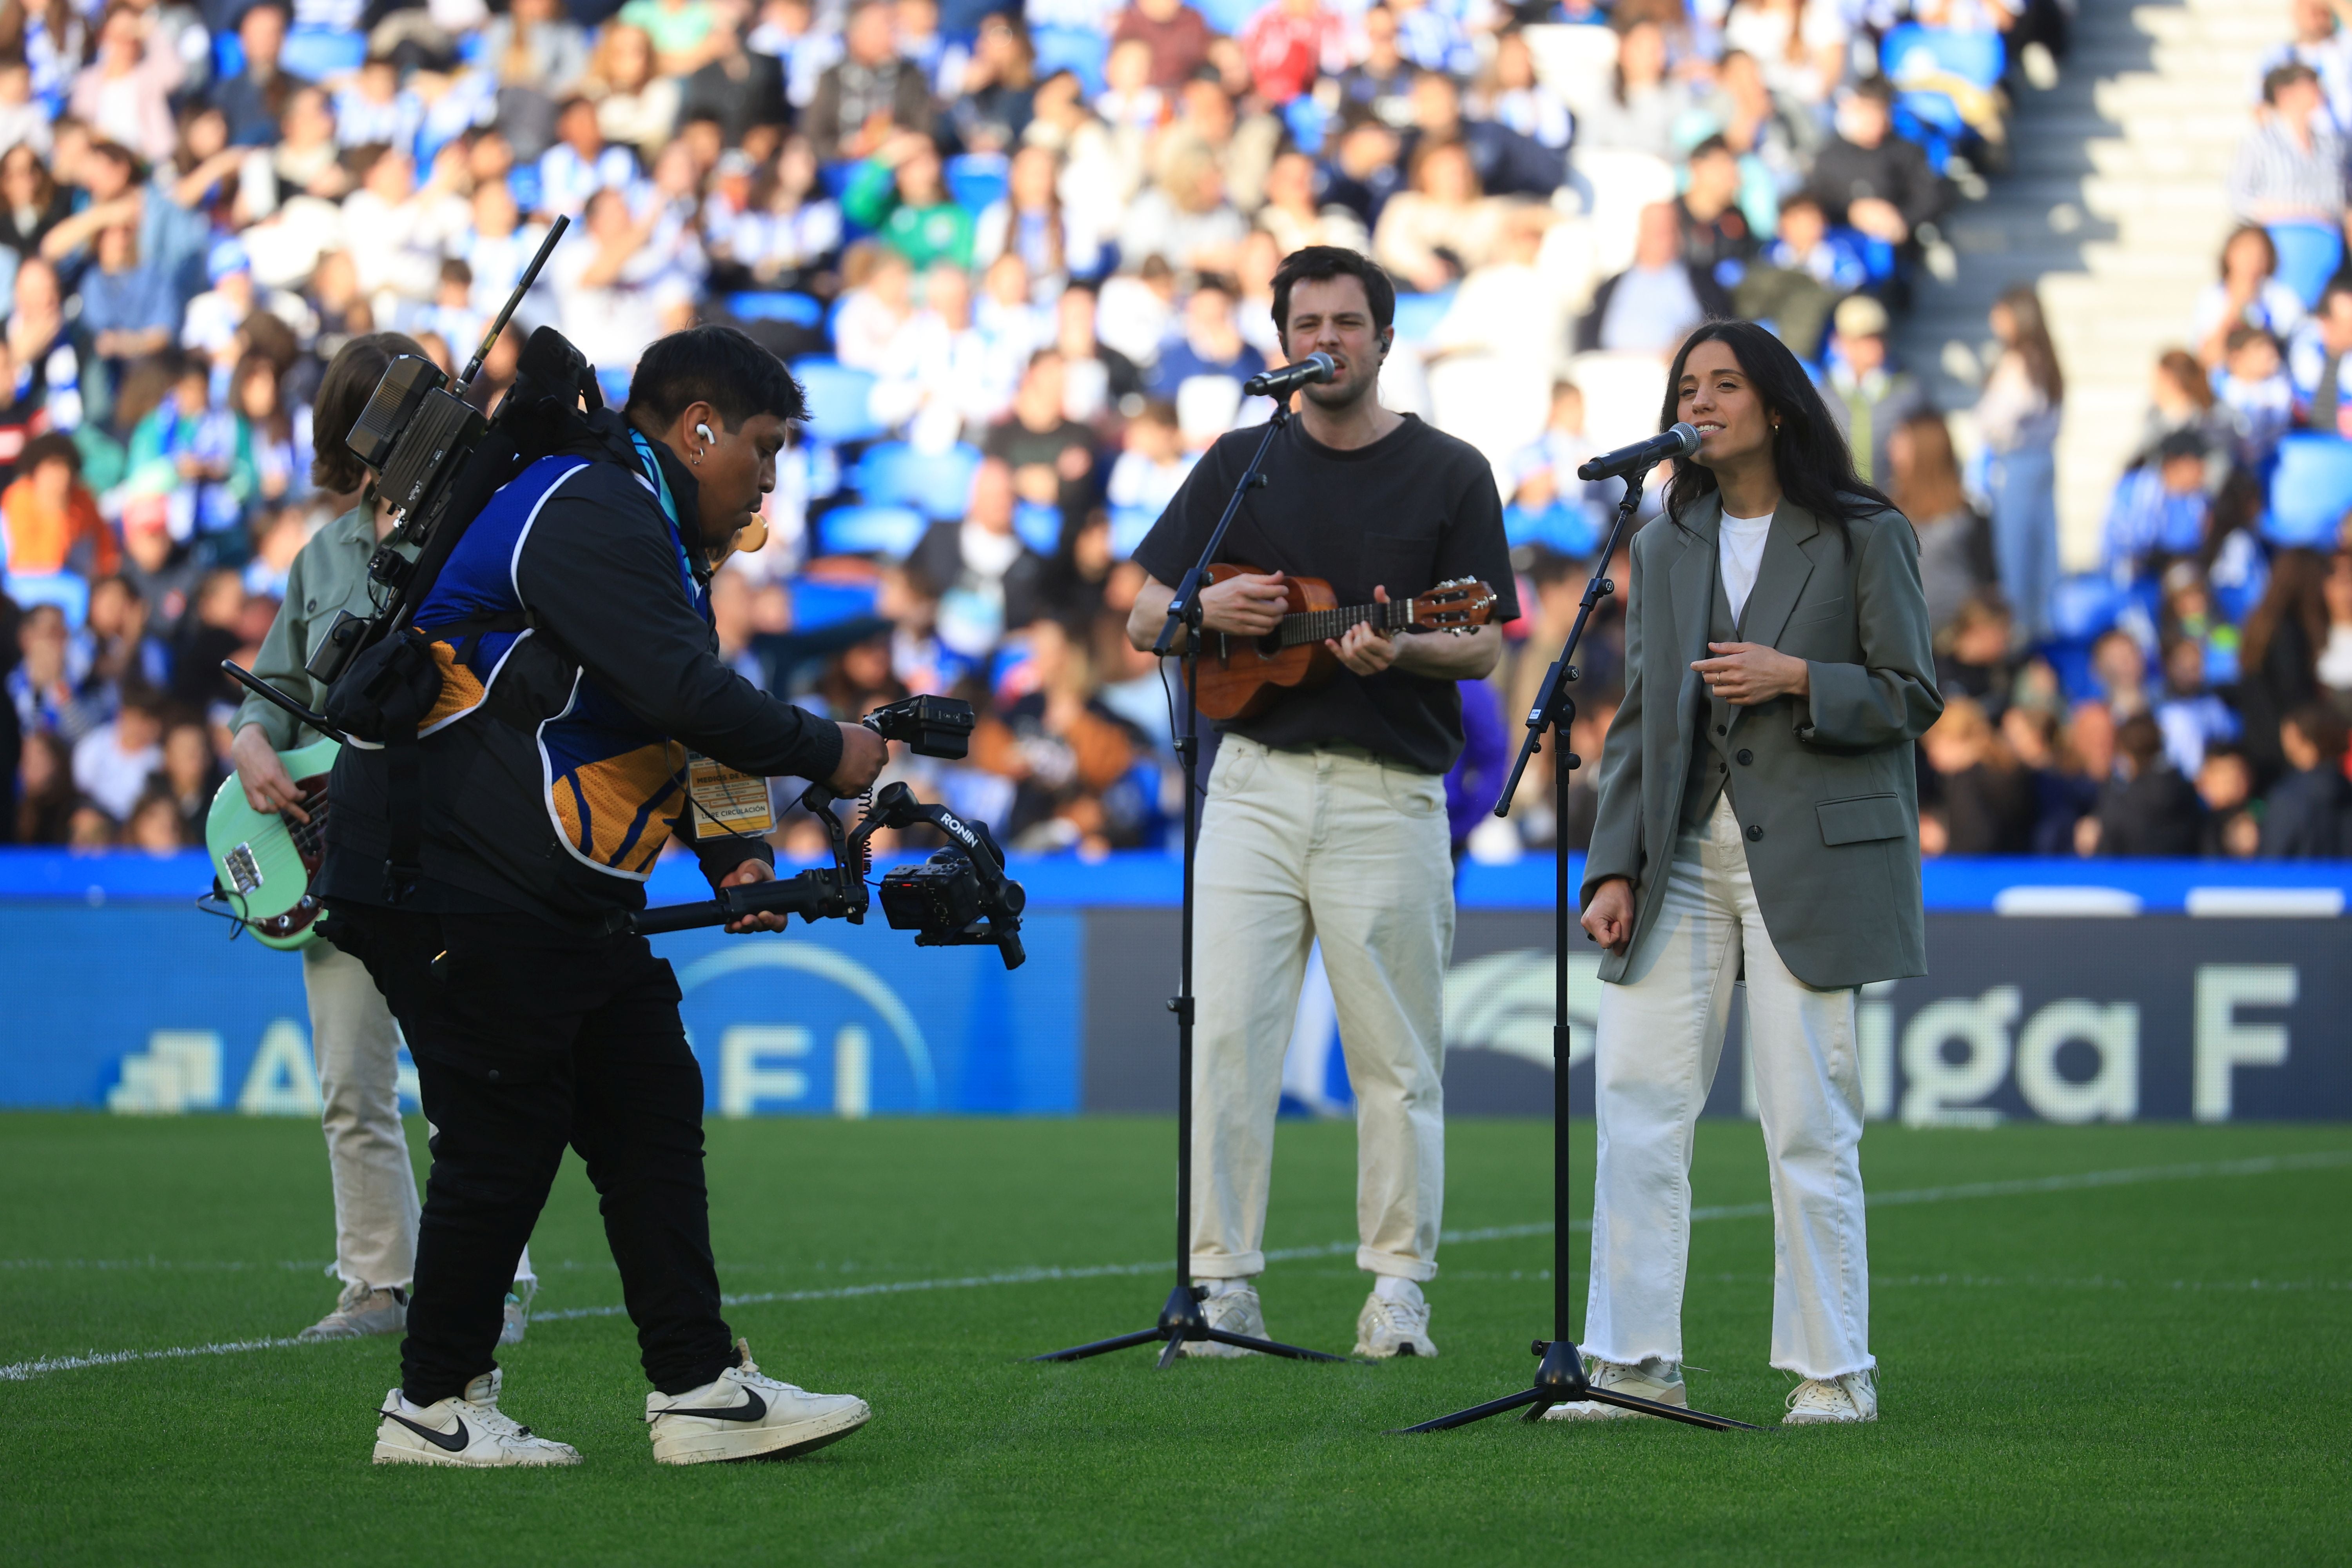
{"x":1742,"y":552}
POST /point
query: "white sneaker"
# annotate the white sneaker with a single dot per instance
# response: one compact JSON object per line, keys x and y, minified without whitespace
{"x":1237,"y":1311}
{"x":518,"y":1311}
{"x":1386,"y":1328}
{"x":467,"y":1429}
{"x":746,"y":1415}
{"x":1656,"y":1379}
{"x":1822,"y":1402}
{"x":360,"y":1312}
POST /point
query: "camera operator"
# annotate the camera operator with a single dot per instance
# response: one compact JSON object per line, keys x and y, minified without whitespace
{"x":578,"y":666}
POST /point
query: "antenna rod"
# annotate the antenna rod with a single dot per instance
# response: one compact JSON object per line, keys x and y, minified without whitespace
{"x":529,"y":277}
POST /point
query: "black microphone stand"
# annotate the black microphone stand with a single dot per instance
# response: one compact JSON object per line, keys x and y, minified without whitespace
{"x":1181,"y":1318}
{"x":1559,"y":1378}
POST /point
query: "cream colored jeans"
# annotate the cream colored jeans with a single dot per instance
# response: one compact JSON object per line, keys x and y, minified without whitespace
{"x":356,"y":1045}
{"x":1660,"y":1037}
{"x":1335,"y":843}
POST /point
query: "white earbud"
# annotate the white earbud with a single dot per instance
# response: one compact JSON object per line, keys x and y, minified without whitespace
{"x":704,"y":431}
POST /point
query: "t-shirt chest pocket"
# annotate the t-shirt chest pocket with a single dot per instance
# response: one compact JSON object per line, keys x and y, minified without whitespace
{"x":1400,"y":563}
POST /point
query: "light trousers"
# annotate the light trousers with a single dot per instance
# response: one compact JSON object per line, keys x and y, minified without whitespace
{"x":356,"y":1046}
{"x":1337,"y":844}
{"x":1660,"y":1039}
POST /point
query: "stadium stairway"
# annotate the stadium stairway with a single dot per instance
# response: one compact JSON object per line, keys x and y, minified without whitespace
{"x":2114,"y":200}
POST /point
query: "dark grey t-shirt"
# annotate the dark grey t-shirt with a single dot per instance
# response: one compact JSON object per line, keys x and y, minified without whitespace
{"x":1409,"y":512}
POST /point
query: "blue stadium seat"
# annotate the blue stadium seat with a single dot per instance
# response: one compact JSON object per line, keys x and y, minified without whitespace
{"x":614,"y":385}
{"x":893,"y":473}
{"x":840,"y":400}
{"x":2084,"y":606}
{"x":1566,"y":529}
{"x":1976,"y":57}
{"x":977,"y":179}
{"x":1128,"y":524}
{"x":822,"y":601}
{"x":890,"y":530}
{"x":1079,"y":50}
{"x":2311,"y":490}
{"x":68,"y":591}
{"x":2308,"y":254}
{"x":800,"y":310}
{"x":1039,"y":526}
{"x":1417,"y":315}
{"x":315,"y":53}
{"x":1229,"y":17}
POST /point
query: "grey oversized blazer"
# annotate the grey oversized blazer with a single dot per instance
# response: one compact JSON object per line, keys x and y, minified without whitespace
{"x":1825,"y":786}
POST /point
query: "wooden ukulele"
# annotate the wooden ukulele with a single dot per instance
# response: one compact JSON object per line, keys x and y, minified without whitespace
{"x":1240,"y":677}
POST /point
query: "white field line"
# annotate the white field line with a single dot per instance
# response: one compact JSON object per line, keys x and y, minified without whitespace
{"x":19,"y":1372}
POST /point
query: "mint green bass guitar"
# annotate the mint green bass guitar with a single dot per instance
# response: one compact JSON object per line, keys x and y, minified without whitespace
{"x":263,"y":861}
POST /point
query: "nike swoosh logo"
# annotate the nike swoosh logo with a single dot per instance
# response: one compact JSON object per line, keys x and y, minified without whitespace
{"x":752,"y":1410}
{"x":454,"y":1443}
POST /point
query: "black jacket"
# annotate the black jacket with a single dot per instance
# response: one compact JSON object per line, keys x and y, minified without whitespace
{"x":2156,"y":814}
{"x":616,"y":649}
{"x":2309,"y":816}
{"x":1895,"y":172}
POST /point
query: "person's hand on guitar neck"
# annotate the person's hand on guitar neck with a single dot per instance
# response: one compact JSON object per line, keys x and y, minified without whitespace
{"x":268,"y":787}
{"x":1364,"y":647}
{"x":1246,"y":606}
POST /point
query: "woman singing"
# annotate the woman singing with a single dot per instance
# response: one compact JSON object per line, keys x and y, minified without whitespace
{"x":1758,"y":820}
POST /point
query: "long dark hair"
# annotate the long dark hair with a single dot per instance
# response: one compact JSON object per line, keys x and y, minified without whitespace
{"x":2034,"y":345}
{"x":2297,"y":595}
{"x":1809,"y":454}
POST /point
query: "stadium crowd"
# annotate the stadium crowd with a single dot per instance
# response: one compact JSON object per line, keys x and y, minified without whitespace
{"x":1021,"y":260}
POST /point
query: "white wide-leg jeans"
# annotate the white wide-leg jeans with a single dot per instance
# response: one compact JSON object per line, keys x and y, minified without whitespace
{"x":1337,"y":844}
{"x":1660,"y":1039}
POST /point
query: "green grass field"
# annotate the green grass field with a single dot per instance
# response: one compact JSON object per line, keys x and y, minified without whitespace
{"x":2145,"y":1359}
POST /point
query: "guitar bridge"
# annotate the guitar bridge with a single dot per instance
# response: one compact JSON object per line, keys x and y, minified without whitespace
{"x":244,"y":875}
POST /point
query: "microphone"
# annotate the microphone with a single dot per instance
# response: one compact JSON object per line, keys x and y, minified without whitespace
{"x":1280,"y":383}
{"x":1678,"y":441}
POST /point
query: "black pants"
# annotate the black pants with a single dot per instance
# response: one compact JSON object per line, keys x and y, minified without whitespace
{"x":527,"y":1039}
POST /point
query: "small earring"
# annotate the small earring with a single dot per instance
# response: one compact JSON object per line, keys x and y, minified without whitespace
{"x":698,"y":457}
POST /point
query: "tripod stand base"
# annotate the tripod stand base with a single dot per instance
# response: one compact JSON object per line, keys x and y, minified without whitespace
{"x":1182,"y":1321}
{"x":1560,"y":1381}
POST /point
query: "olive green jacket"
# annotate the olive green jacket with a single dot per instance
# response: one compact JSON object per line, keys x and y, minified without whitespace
{"x":1824,"y":785}
{"x":329,"y":574}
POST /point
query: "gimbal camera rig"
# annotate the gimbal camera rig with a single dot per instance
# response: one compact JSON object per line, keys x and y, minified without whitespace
{"x":960,"y":897}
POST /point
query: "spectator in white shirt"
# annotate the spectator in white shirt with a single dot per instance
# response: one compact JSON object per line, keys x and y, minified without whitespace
{"x":112,"y":764}
{"x":876,"y":307}
{"x":580,"y":163}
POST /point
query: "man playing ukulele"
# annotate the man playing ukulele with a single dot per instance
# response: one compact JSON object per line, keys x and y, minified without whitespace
{"x":1326,"y":812}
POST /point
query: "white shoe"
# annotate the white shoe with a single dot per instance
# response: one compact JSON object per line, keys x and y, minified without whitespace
{"x":467,"y":1429}
{"x":1830,"y":1401}
{"x":746,"y":1415}
{"x":360,"y":1312}
{"x":1236,"y":1311}
{"x":1386,"y":1328}
{"x":518,"y":1311}
{"x":1656,"y":1379}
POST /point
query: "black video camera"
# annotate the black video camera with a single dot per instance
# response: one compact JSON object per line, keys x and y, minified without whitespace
{"x":960,"y":897}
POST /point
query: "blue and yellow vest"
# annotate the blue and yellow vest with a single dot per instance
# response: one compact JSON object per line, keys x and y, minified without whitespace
{"x":612,"y":784}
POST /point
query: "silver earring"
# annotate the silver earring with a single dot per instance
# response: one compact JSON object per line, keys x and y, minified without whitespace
{"x":697,"y":458}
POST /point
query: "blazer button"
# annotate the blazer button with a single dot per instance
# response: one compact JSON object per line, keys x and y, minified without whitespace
{"x":1718,"y":729}
{"x":1746,"y":756}
{"x":1754,"y":831}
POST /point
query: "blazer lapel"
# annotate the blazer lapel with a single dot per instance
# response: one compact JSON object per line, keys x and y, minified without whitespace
{"x":1692,"y":578}
{"x":1781,"y":575}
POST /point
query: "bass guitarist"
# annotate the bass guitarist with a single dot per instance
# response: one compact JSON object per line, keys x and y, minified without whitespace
{"x":351,"y":1032}
{"x":1326,"y":813}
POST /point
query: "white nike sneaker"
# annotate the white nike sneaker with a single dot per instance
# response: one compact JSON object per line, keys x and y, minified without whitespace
{"x":1833,"y":1401}
{"x":1386,"y":1328}
{"x":467,"y":1429}
{"x":360,"y":1312}
{"x":1237,"y":1311}
{"x":518,"y":1311}
{"x":1656,"y":1379}
{"x":746,"y":1415}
